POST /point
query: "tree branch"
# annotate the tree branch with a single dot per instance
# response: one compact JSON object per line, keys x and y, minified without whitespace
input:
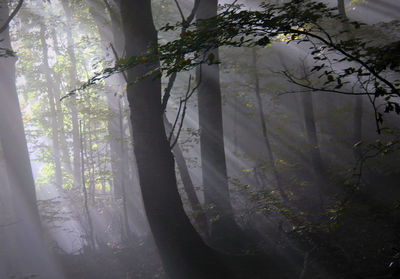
{"x":172,"y":78}
{"x":12,"y":15}
{"x":180,"y":11}
{"x":117,"y":58}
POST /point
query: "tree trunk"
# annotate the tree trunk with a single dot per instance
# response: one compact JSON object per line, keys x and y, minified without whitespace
{"x":119,"y":163}
{"x":73,"y":108}
{"x":119,"y":158}
{"x":90,"y":231}
{"x":214,"y":173}
{"x":182,"y":251}
{"x":311,"y":131}
{"x":264,"y":127}
{"x":358,"y":109}
{"x":32,"y":256}
{"x":198,"y":212}
{"x":53,"y":113}
{"x":60,"y":115}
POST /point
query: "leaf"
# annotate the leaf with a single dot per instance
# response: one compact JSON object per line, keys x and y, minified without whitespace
{"x":246,"y":170}
{"x":357,"y":144}
{"x":263,"y":41}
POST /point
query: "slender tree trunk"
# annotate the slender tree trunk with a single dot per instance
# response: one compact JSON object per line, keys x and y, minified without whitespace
{"x":264,"y":126}
{"x":311,"y":131}
{"x":214,"y":172}
{"x":358,"y":112}
{"x":89,"y":151}
{"x":182,"y":251}
{"x":124,"y":172}
{"x":341,"y":8}
{"x":198,"y":212}
{"x":118,"y":164}
{"x":119,"y":157}
{"x":73,"y":107}
{"x":53,"y":113}
{"x":358,"y":106}
{"x":84,"y":190}
{"x":60,"y":114}
{"x":113,"y":8}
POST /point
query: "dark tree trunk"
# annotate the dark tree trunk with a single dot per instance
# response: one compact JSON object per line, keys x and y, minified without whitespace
{"x":267,"y":143}
{"x":311,"y":131}
{"x":316,"y":160}
{"x":358,"y":106}
{"x":357,"y":118}
{"x":182,"y":251}
{"x":214,"y":173}
{"x":198,"y":212}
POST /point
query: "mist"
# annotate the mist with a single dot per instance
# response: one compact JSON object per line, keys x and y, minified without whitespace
{"x":199,"y":139}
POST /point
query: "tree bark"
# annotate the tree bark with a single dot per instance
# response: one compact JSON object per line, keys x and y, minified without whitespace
{"x":214,"y":172}
{"x":311,"y":131}
{"x":199,"y":215}
{"x":119,"y":162}
{"x":264,"y":127}
{"x":60,"y":115}
{"x":53,"y":113}
{"x":358,"y":105}
{"x":73,"y":82}
{"x":26,"y":228}
{"x":183,"y":253}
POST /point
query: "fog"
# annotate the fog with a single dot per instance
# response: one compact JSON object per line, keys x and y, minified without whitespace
{"x":274,"y":155}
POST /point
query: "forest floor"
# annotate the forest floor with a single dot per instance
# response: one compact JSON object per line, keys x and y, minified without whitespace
{"x":139,"y":259}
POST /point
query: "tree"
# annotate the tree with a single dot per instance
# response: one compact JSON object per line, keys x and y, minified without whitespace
{"x":21,"y":188}
{"x":214,"y":172}
{"x":73,"y":108}
{"x":182,"y":250}
{"x":358,"y":111}
{"x":270,"y":155}
{"x":295,"y":21}
{"x":235,"y":28}
{"x":51,"y":97}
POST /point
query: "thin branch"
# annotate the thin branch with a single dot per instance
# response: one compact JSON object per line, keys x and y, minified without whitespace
{"x":184,"y":101}
{"x":176,"y":121}
{"x":193,"y":12}
{"x":180,"y":11}
{"x":311,"y":88}
{"x":117,"y":58}
{"x":179,"y":110}
{"x":189,"y":93}
{"x":167,"y":91}
{"x":12,"y":15}
{"x":350,"y":56}
{"x":172,"y":78}
{"x":181,"y":124}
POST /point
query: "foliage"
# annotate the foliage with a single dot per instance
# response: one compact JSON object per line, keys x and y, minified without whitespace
{"x":338,"y":60}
